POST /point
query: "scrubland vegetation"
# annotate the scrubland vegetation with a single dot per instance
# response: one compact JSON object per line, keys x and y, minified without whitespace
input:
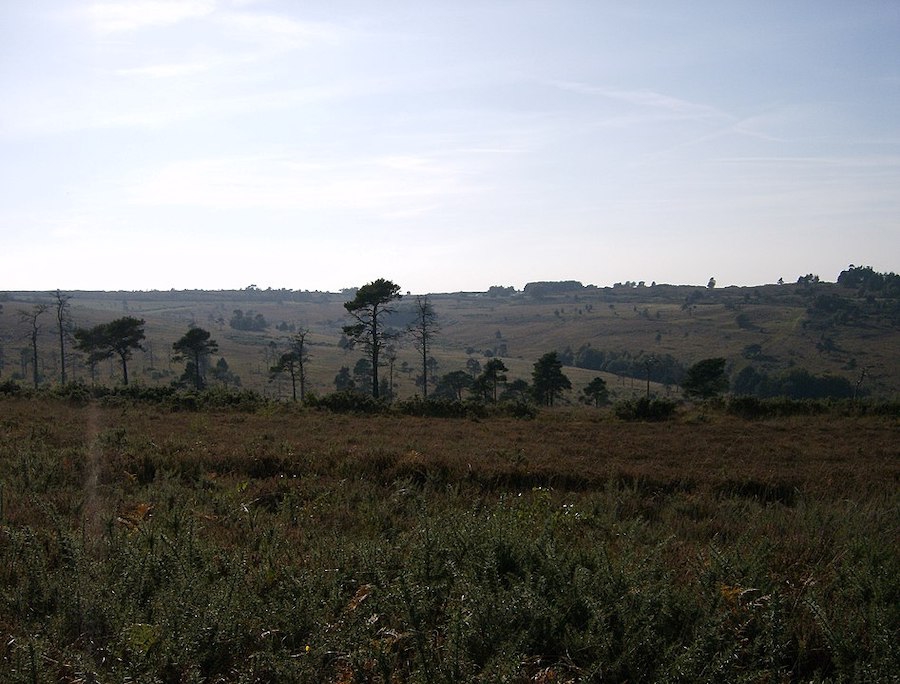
{"x":141,"y":541}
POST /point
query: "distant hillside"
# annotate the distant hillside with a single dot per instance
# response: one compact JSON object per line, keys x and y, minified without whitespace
{"x":848,"y":331}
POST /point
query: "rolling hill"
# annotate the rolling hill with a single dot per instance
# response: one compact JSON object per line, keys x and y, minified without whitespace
{"x":844,"y":330}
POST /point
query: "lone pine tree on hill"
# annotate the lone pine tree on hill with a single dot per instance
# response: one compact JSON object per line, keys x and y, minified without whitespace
{"x":367,"y":308}
{"x":548,"y":381}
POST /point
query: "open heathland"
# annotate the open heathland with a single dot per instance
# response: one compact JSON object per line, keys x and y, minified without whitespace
{"x":845,"y":332}
{"x":291,"y":544}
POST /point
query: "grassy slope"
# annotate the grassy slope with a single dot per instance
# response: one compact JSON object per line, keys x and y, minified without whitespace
{"x":649,"y":320}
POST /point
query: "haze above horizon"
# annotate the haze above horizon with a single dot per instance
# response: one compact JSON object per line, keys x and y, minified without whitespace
{"x":209,"y":144}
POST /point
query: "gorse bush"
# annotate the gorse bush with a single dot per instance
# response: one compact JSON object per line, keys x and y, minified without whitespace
{"x":10,"y":388}
{"x":782,"y":407}
{"x":645,"y":408}
{"x":754,"y":407}
{"x":347,"y":401}
{"x":438,"y":408}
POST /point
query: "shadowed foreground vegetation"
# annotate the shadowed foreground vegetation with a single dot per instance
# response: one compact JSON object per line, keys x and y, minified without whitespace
{"x":287,"y":544}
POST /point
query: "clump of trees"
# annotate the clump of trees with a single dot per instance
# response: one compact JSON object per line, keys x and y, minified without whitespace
{"x":194,"y":348}
{"x":868,"y":280}
{"x":248,"y":321}
{"x":120,"y":337}
{"x":705,"y":379}
{"x":665,"y":369}
{"x":796,"y":383}
{"x":486,"y":385}
{"x":293,"y":362}
{"x":548,"y":288}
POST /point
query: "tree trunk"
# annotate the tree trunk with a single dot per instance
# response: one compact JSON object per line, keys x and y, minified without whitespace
{"x":62,"y":354}
{"x":375,"y":353}
{"x":34,"y":350}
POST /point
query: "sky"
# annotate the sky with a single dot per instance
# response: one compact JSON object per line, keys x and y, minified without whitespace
{"x":446,"y":145}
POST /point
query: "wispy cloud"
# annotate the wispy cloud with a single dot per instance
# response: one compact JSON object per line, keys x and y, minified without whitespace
{"x":646,"y":98}
{"x":387,"y":186}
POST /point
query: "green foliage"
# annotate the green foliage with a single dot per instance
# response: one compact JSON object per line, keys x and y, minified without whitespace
{"x":348,"y":401}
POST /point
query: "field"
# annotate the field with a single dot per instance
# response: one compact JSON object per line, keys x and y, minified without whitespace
{"x":290,"y":544}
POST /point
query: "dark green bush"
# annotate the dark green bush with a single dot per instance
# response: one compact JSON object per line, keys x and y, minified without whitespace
{"x":348,"y":401}
{"x":754,"y":407}
{"x":645,"y":408}
{"x":10,"y":388}
{"x":434,"y":408}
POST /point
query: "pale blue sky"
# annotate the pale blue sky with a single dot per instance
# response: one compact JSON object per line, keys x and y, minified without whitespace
{"x":445,"y":145}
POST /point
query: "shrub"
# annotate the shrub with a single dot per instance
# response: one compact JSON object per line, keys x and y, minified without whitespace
{"x":10,"y":388}
{"x":434,"y":408}
{"x":520,"y":409}
{"x":348,"y":401}
{"x":754,"y":407}
{"x":645,"y":408}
